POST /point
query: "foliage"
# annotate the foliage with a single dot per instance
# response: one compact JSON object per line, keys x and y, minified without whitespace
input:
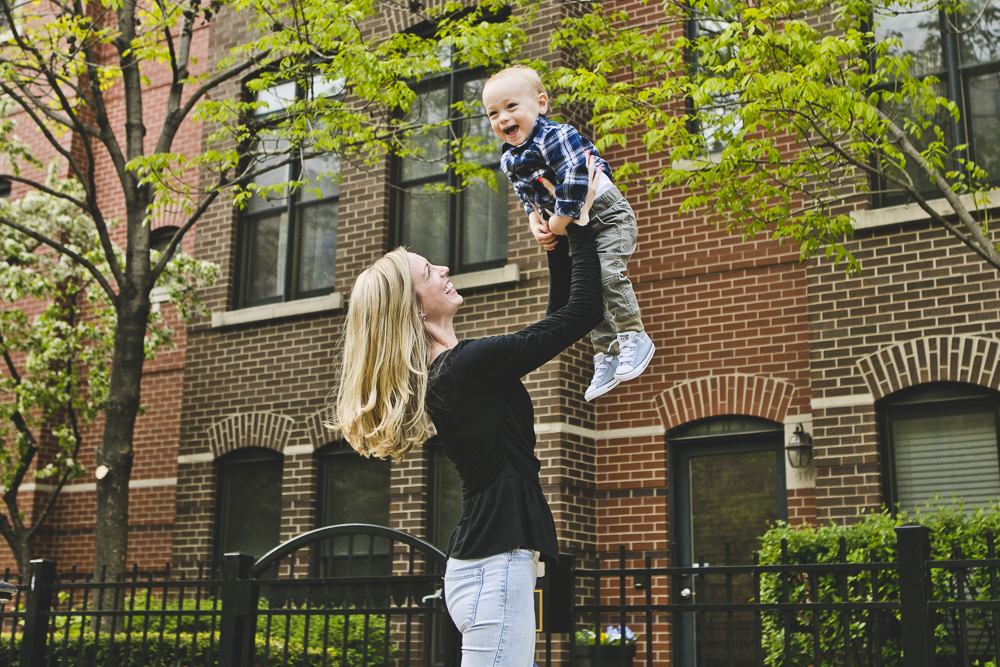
{"x":611,"y":635}
{"x":141,"y":649}
{"x":776,"y":114}
{"x":56,"y":340}
{"x":873,"y":540}
{"x":309,"y":633}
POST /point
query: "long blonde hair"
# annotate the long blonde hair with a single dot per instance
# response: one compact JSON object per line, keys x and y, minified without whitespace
{"x":380,"y":406}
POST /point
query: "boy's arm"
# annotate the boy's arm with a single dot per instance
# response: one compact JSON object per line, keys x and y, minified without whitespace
{"x":558,"y":223}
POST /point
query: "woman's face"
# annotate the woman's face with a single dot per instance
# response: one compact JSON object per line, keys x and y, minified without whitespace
{"x":437,"y":294}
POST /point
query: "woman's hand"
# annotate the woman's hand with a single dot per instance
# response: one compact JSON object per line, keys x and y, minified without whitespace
{"x":540,"y":230}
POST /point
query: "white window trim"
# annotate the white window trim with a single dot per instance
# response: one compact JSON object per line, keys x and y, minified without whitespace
{"x":274,"y":311}
{"x":505,"y":275}
{"x":895,"y":215}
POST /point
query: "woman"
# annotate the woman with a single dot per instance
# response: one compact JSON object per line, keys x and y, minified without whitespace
{"x":403,"y":362}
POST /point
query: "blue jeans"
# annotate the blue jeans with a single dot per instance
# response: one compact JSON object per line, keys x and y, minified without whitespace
{"x":492,"y":603}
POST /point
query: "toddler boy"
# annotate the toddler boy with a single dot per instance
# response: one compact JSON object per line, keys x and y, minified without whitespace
{"x":536,"y":148}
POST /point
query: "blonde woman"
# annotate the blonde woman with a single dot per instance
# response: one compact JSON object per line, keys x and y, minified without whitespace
{"x":404,"y":363}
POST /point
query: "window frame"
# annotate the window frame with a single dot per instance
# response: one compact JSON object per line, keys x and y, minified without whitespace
{"x":966,"y":397}
{"x":957,"y":80}
{"x":333,"y":450}
{"x":292,"y":211}
{"x":244,"y":456}
{"x":453,"y":80}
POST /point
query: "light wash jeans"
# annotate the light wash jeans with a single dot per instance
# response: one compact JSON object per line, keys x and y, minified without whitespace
{"x":616,"y":233}
{"x":492,"y":603}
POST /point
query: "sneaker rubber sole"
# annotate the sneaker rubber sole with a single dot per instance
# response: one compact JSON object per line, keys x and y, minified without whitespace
{"x":590,"y":395}
{"x":637,"y":370}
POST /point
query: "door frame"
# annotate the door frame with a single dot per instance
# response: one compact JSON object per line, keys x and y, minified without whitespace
{"x":680,"y":450}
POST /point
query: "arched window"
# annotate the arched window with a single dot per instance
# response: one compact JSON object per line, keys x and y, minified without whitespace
{"x":939,"y":440}
{"x":352,"y":489}
{"x":445,"y":495}
{"x":248,"y":504}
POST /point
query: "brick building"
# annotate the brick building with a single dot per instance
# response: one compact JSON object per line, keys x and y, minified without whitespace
{"x":752,"y":345}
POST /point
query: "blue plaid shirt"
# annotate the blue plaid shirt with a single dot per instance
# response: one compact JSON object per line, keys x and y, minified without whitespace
{"x":556,"y":152}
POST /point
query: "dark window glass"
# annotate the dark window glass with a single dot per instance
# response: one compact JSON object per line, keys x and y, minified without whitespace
{"x":4,"y":185}
{"x":352,"y":489}
{"x":289,"y":240}
{"x":445,"y":496}
{"x":466,"y":231}
{"x":941,"y":443}
{"x":248,"y":505}
{"x":962,"y":52}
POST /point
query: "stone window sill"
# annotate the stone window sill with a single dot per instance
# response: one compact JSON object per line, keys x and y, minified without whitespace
{"x":318,"y":304}
{"x":895,"y":215}
{"x":504,"y":275}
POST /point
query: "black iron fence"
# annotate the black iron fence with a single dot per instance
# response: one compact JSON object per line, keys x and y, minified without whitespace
{"x":914,"y":612}
{"x":354,"y":596}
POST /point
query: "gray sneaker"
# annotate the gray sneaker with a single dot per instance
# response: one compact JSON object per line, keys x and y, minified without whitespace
{"x":604,"y":376}
{"x":635,"y":351}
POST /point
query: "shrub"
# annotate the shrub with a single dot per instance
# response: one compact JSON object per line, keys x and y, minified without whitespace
{"x":872,"y":539}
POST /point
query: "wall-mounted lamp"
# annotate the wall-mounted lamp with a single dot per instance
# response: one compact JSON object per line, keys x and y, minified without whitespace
{"x":799,"y":448}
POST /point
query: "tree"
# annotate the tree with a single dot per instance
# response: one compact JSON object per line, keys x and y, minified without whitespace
{"x":62,"y":59}
{"x":57,"y":358}
{"x":777,"y":113}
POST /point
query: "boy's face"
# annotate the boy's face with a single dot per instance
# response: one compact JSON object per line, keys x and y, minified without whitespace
{"x":512,"y":106}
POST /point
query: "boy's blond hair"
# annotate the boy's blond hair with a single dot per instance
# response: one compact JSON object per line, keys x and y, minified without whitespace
{"x":522,"y":72}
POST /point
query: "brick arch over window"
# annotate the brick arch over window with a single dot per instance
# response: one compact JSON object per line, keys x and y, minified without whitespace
{"x":320,"y":435}
{"x":250,"y":429}
{"x":970,"y":359}
{"x":735,"y":394}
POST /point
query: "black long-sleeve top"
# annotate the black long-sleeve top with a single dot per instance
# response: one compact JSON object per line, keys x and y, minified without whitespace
{"x":485,"y":418}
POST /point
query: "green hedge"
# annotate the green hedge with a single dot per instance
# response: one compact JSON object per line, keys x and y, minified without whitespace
{"x":196,"y":643}
{"x":873,"y":538}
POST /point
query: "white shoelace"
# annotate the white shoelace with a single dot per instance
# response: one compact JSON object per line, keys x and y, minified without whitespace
{"x":626,"y":352}
{"x":598,"y":367}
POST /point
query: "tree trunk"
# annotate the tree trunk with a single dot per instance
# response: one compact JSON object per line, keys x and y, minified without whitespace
{"x":21,"y":548}
{"x":115,"y":451}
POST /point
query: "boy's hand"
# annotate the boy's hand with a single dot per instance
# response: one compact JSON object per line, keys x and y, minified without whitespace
{"x":541,"y":231}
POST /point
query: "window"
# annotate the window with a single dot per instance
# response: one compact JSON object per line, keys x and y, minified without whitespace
{"x":465,"y":231}
{"x":962,"y":51}
{"x":445,"y":496}
{"x":715,"y":120}
{"x":160,"y":237}
{"x":4,"y":184}
{"x":248,"y":504}
{"x":288,"y":242}
{"x":941,"y":439}
{"x":352,"y":489}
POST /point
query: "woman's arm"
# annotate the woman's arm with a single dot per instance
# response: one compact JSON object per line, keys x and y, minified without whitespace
{"x":517,"y":354}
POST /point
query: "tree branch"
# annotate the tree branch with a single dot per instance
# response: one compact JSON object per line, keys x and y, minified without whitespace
{"x":41,"y":238}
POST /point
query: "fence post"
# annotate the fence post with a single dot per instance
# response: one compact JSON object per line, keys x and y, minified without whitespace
{"x":239,"y":602}
{"x":913,"y":549}
{"x":35,"y":634}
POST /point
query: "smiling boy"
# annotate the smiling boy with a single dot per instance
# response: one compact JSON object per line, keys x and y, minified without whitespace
{"x":536,"y":148}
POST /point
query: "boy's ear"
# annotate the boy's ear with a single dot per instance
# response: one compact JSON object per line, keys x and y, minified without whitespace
{"x":543,"y":102}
